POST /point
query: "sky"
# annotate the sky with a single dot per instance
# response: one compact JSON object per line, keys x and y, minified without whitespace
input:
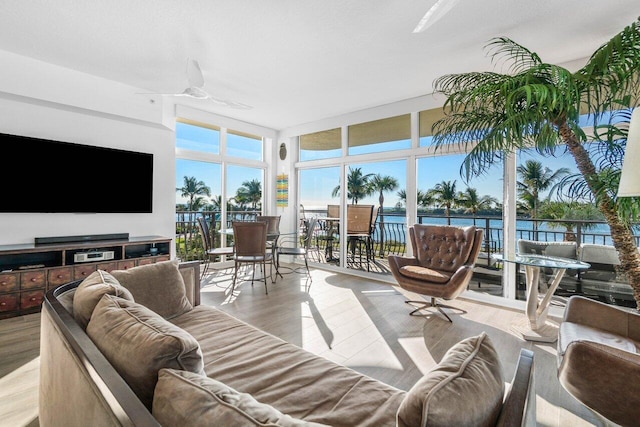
{"x":316,"y":185}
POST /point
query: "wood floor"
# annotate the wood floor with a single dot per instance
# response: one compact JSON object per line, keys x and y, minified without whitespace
{"x":356,"y":322}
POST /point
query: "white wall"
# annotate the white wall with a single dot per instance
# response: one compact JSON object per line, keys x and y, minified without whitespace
{"x":98,"y":112}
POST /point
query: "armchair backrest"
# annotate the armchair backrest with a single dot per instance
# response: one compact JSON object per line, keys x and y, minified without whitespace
{"x":445,"y":247}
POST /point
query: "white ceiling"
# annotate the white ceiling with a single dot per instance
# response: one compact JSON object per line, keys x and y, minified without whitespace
{"x":298,"y":61}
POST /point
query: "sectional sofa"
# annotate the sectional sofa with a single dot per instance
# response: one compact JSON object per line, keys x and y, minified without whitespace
{"x":602,"y":280}
{"x":135,"y":348}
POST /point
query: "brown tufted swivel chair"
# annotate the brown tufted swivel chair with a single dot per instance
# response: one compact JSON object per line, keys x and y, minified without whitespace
{"x":442,"y":263}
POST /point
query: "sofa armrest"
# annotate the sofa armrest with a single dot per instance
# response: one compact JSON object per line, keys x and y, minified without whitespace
{"x":190,"y":272}
{"x":601,"y":316}
{"x":78,"y":386}
{"x":609,"y":392}
{"x":519,"y":407}
{"x":401,"y":261}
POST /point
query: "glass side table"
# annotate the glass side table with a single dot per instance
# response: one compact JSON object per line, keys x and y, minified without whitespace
{"x":535,"y":327}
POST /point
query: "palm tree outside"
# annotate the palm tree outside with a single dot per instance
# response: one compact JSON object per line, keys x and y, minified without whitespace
{"x":472,"y":202}
{"x":194,"y":191}
{"x":445,"y":196}
{"x":250,"y":192}
{"x":382,"y":184}
{"x":538,"y":105}
{"x":535,"y":179}
{"x":357,"y":185}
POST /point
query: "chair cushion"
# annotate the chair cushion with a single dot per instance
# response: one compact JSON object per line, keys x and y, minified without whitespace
{"x":158,"y":286}
{"x":570,"y":332}
{"x":91,"y":290}
{"x":138,"y":343}
{"x":187,"y":399}
{"x":465,"y":389}
{"x":426,"y":274}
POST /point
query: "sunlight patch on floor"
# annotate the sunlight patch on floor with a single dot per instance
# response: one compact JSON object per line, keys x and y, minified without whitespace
{"x":418,"y":353}
{"x":343,"y":332}
{"x":19,"y":395}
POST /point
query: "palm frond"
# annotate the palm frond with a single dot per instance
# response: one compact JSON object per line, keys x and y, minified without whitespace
{"x":612,"y":71}
{"x":519,"y":57}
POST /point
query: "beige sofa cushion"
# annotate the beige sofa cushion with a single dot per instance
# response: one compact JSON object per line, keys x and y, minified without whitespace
{"x":186,"y":399}
{"x":158,"y":286}
{"x":138,"y":343}
{"x":91,"y":290}
{"x":296,"y":382}
{"x":465,"y":388}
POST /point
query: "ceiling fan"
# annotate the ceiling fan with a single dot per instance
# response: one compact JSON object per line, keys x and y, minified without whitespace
{"x":437,"y":11}
{"x":196,"y":85}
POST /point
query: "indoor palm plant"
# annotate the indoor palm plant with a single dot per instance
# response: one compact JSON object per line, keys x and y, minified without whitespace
{"x":537,"y":105}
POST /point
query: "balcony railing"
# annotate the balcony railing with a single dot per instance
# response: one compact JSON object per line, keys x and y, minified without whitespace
{"x":393,"y":238}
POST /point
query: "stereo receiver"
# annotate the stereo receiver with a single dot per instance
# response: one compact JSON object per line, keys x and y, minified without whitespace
{"x":93,"y":256}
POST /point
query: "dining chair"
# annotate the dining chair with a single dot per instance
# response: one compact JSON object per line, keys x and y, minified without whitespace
{"x":273,"y":228}
{"x":359,"y":219}
{"x":210,"y":252}
{"x":250,"y":243}
{"x":273,"y":231}
{"x":290,"y":246}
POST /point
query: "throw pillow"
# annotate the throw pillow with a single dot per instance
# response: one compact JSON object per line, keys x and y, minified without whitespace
{"x":138,"y":343}
{"x":158,"y":286}
{"x":186,"y":399}
{"x":91,"y":290}
{"x":465,"y":388}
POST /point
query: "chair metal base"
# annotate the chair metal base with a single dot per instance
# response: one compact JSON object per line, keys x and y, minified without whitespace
{"x":422,"y":305}
{"x":263,"y":269}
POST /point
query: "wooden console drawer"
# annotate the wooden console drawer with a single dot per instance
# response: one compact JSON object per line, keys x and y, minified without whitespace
{"x":31,"y":299}
{"x":107,"y":266}
{"x":8,"y":282}
{"x":163,"y":258}
{"x":32,"y":279}
{"x":8,"y":302}
{"x":59,"y":276}
{"x":125,"y":265}
{"x":144,"y":261}
{"x":82,"y":271}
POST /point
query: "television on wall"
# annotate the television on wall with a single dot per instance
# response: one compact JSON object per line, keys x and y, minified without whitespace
{"x":46,"y":176}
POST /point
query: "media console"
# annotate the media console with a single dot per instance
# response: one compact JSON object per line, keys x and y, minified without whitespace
{"x":28,"y":271}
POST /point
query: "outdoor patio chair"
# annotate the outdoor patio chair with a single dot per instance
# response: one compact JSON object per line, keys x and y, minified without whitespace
{"x":441,"y":265}
{"x":329,"y":232}
{"x":557,"y":249}
{"x":359,"y":219}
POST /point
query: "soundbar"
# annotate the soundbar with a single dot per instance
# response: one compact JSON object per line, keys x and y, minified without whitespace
{"x":85,"y":238}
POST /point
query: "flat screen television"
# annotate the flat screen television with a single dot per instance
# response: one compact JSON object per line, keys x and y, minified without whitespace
{"x":41,"y":175}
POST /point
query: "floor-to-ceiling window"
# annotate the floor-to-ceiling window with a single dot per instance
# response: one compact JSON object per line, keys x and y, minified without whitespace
{"x":220,"y":176}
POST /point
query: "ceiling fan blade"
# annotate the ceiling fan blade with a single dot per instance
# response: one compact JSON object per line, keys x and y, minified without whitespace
{"x":437,"y":11}
{"x":194,"y":74}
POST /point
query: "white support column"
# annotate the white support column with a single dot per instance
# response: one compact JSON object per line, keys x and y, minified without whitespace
{"x":509,"y":226}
